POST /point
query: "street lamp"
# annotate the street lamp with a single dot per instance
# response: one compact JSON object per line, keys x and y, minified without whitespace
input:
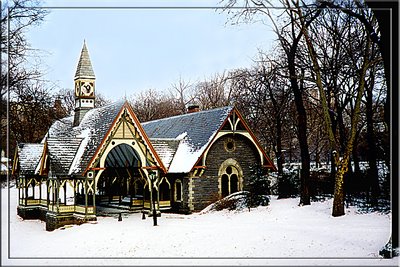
{"x":152,"y":176}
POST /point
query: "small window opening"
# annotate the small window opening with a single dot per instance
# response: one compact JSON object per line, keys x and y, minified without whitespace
{"x":178,"y":190}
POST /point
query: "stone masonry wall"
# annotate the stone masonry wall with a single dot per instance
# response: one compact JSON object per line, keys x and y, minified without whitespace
{"x":206,"y":187}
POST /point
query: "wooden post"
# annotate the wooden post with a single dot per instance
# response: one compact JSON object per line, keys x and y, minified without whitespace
{"x":26,"y":192}
{"x":74,"y":184}
{"x":86,"y":198}
{"x":153,"y":199}
{"x":40,"y":191}
{"x":57,"y":195}
{"x":94,"y":195}
{"x":65,"y":193}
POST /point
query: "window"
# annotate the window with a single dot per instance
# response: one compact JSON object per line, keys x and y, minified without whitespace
{"x":229,"y":181}
{"x":178,"y":190}
{"x":230,"y":145}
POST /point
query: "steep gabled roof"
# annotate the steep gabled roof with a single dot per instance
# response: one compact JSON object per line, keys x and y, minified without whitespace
{"x":62,"y":152}
{"x":89,"y":132}
{"x":84,"y":140}
{"x":29,"y":157}
{"x":194,"y":131}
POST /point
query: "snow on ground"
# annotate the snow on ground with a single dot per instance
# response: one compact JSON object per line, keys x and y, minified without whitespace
{"x":280,"y":234}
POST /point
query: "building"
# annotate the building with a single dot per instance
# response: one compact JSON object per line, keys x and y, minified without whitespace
{"x":105,"y":157}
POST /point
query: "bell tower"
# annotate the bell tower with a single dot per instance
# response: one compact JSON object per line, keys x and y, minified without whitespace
{"x":84,"y":86}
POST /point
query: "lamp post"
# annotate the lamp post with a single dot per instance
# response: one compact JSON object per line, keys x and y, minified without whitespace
{"x":152,"y":176}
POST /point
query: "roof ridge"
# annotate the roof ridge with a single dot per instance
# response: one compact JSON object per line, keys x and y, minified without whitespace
{"x":189,"y":114}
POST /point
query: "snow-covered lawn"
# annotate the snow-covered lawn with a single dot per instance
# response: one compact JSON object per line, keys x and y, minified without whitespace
{"x":282,"y":233}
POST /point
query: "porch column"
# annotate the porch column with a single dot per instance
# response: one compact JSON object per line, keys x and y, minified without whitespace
{"x":65,"y":192}
{"x":26,"y":191}
{"x":33,"y":188}
{"x":40,"y":191}
{"x":86,"y":197}
{"x":74,"y":184}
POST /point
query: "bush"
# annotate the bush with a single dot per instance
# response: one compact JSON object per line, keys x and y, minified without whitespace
{"x":238,"y":201}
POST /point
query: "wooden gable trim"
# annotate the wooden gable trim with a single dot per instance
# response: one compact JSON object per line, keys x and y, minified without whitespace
{"x":271,"y":164}
{"x":236,"y":112}
{"x":213,"y":139}
{"x":145,"y":137}
{"x":141,"y":131}
{"x":14,"y":169}
{"x":43,"y":159}
{"x":103,"y":141}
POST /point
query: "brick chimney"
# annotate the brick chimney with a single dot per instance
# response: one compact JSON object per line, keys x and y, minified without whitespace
{"x":193,"y":108}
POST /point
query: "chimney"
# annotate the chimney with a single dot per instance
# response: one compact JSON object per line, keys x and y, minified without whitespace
{"x":193,"y":108}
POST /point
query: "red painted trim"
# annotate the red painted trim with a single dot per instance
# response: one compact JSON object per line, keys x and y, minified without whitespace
{"x":271,"y":164}
{"x":150,"y":168}
{"x":212,"y":140}
{"x":141,"y":130}
{"x":199,"y":167}
{"x":103,"y":141}
{"x":97,"y":169}
{"x":234,"y":109}
{"x":15,"y":161}
{"x":43,"y":158}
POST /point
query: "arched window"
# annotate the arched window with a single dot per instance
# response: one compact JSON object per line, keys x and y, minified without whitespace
{"x":164,"y":190}
{"x":229,"y":180}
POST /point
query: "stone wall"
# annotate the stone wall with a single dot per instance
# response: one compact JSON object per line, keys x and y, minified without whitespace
{"x":244,"y":152}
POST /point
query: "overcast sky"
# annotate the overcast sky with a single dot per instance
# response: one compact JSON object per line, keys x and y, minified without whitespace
{"x":134,"y":49}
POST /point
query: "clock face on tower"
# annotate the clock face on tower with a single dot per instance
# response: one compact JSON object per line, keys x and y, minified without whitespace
{"x":86,"y":88}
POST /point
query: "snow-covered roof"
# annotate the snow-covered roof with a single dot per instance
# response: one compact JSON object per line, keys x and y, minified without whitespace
{"x":29,"y":156}
{"x":62,"y":152}
{"x":179,"y":141}
{"x":165,"y":148}
{"x":90,"y":132}
{"x":194,"y":131}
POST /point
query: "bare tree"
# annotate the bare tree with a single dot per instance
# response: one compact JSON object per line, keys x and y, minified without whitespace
{"x":182,"y":92}
{"x":362,"y":65}
{"x":289,"y":37}
{"x":17,"y":16}
{"x":32,"y":111}
{"x":67,"y":98}
{"x":151,"y":105}
{"x":212,"y":93}
{"x":18,"y":61}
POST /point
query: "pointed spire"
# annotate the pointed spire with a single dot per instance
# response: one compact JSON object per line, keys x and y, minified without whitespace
{"x":84,"y":69}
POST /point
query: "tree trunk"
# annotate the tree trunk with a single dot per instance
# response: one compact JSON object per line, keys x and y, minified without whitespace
{"x":338,"y":200}
{"x":279,"y":146}
{"x":302,"y":134}
{"x":373,"y":178}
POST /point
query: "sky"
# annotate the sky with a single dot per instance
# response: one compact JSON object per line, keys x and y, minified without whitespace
{"x":134,"y":49}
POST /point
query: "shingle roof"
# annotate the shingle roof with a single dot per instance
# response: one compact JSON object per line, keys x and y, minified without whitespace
{"x":195,"y":130}
{"x":29,"y":156}
{"x":179,"y":141}
{"x":165,"y":149}
{"x":84,"y":68}
{"x":90,"y":131}
{"x":62,"y":152}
